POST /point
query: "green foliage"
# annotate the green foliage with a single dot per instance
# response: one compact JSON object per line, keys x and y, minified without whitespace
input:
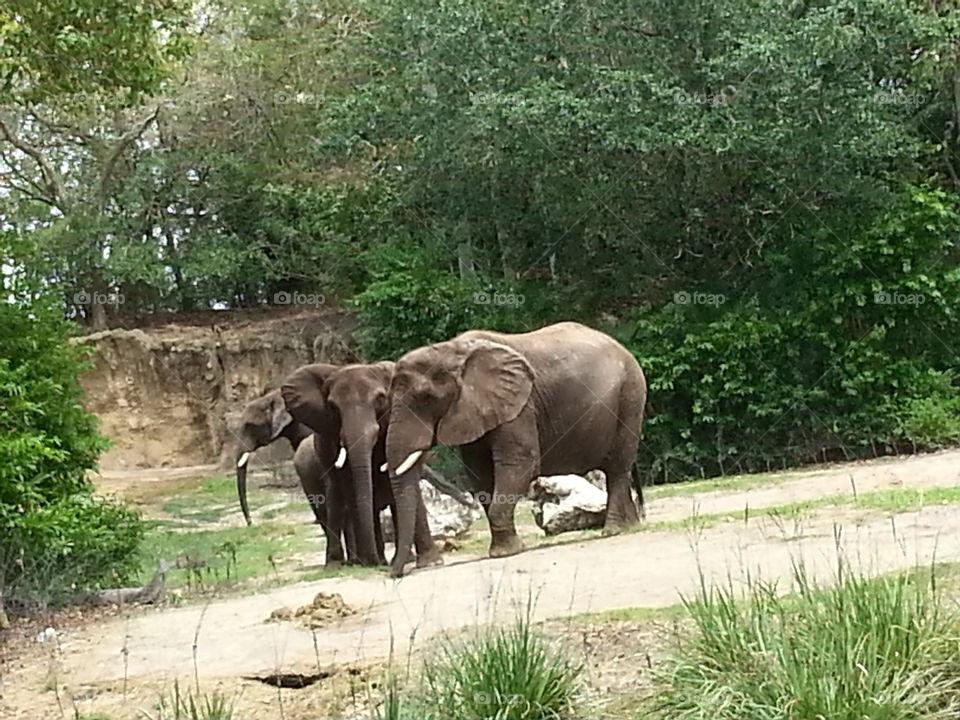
{"x":839,"y":353}
{"x":511,"y":673}
{"x":56,"y":535}
{"x":66,"y":47}
{"x":878,"y":648}
{"x":193,"y":706}
{"x":413,"y":300}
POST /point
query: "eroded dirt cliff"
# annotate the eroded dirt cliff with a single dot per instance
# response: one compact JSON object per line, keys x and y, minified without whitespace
{"x":167,"y":395}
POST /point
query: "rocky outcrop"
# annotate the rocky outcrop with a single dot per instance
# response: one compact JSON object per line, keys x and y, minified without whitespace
{"x":167,"y":396}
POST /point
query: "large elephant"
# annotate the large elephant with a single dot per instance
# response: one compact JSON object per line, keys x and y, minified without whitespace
{"x":265,"y":420}
{"x":348,"y":408}
{"x":562,"y":399}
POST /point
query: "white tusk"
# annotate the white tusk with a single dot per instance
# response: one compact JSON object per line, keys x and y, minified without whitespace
{"x":383,"y":468}
{"x":409,"y":462}
{"x":341,"y":458}
{"x":243,"y":459}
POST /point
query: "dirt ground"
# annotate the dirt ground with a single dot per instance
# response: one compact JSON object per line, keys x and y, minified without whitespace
{"x":120,"y":664}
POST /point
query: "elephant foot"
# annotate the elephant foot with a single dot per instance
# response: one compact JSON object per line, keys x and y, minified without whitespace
{"x":333,"y":565}
{"x":505,"y":546}
{"x":396,"y":571}
{"x":615,"y":528}
{"x":429,"y":559}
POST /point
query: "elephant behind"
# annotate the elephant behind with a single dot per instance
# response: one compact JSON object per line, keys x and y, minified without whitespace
{"x":347,"y":406}
{"x":558,"y":400}
{"x":265,"y":420}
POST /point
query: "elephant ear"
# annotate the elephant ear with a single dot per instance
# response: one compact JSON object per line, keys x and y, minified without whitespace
{"x":495,"y":383}
{"x":280,"y":418}
{"x":305,"y":397}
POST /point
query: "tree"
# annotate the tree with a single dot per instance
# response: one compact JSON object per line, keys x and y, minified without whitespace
{"x":55,"y":536}
{"x":73,"y":75}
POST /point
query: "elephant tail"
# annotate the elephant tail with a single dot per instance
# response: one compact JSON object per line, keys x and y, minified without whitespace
{"x":638,"y":485}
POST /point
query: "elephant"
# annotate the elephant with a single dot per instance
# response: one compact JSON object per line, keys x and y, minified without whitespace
{"x":562,"y":399}
{"x":347,"y":407}
{"x":266,"y":419}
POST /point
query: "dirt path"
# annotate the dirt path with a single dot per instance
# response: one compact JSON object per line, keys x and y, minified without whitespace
{"x":644,"y":569}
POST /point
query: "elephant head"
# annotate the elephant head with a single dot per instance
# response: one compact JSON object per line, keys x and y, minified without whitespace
{"x":263,"y":421}
{"x":450,"y":393}
{"x":348,"y":407}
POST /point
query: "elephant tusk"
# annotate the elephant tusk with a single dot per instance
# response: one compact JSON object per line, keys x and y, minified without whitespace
{"x":243,"y":459}
{"x":383,"y":468}
{"x":409,"y":462}
{"x":341,"y":458}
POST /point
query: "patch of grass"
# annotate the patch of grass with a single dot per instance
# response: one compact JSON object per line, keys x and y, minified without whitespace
{"x":216,"y":558}
{"x":512,"y":672}
{"x":883,"y":648}
{"x":722,"y":484}
{"x":907,"y":499}
{"x":207,"y":501}
{"x":636,"y":614}
{"x":193,"y":706}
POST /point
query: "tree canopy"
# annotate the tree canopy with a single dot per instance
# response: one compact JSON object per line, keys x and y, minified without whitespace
{"x":735,"y":189}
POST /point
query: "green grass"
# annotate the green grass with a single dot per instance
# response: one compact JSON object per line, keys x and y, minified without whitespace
{"x":193,"y":706}
{"x":512,"y":673}
{"x":881,"y":648}
{"x":635,"y":614}
{"x":907,"y":499}
{"x":217,"y":558}
{"x":723,"y":484}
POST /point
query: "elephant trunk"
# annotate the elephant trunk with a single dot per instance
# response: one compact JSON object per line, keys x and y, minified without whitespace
{"x":242,"y":459}
{"x":359,"y":437}
{"x":406,"y":435}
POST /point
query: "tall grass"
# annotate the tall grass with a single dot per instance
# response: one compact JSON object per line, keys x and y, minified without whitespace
{"x":191,"y":706}
{"x":501,"y":673}
{"x":882,"y":648}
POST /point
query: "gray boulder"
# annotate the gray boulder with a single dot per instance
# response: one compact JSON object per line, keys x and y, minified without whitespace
{"x":450,"y":516}
{"x":564,"y":503}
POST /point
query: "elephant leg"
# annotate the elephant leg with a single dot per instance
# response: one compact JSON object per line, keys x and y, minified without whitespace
{"x":312,"y":482}
{"x":515,"y":453}
{"x":621,"y":509}
{"x":350,"y":537}
{"x":378,"y":535}
{"x":333,"y":528}
{"x":427,"y":551}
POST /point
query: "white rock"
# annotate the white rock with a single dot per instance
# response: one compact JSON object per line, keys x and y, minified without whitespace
{"x":448,"y":517}
{"x":563,"y":503}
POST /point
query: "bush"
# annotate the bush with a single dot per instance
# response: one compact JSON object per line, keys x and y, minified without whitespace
{"x":509,"y":673}
{"x":838,"y":356}
{"x":867,"y":648}
{"x":414,"y":301}
{"x":56,"y":537}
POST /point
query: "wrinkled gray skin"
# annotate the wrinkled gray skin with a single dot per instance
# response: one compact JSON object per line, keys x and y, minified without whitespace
{"x":562,"y":399}
{"x":265,"y":420}
{"x":347,"y":407}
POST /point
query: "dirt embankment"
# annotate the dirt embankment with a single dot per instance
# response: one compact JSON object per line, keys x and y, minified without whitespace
{"x":166,"y":395}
